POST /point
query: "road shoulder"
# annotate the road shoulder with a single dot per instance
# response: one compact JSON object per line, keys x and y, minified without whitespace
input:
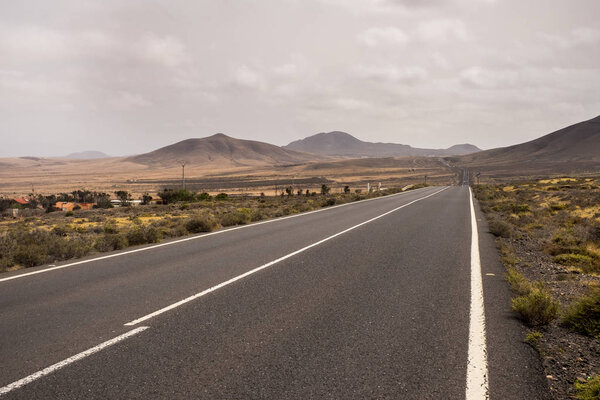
{"x":515,"y":368}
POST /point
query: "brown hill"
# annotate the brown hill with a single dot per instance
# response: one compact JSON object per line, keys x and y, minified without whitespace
{"x":223,"y":150}
{"x":345,"y":145}
{"x":576,"y":147}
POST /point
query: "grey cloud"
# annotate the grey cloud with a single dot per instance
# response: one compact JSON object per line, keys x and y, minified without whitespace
{"x":127,"y":77}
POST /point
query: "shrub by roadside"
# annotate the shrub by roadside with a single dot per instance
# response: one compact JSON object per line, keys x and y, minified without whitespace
{"x":536,"y":308}
{"x":589,"y":389}
{"x":59,"y":236}
{"x":200,"y":223}
{"x":548,"y":236}
{"x":583,"y":316}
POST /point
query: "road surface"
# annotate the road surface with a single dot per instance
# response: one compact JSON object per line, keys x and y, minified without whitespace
{"x":367,"y":300}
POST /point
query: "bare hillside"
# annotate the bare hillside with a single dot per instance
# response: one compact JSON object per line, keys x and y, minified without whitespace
{"x":223,"y":150}
{"x":345,"y":145}
{"x":571,"y":149}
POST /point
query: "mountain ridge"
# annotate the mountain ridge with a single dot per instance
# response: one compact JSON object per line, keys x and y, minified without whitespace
{"x":342,"y":144}
{"x":576,"y":144}
{"x":220,"y":149}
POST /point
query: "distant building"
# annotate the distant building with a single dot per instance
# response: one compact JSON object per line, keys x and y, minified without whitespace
{"x":21,"y":201}
{"x":70,"y":206}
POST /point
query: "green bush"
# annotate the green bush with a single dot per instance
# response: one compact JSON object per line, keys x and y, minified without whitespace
{"x":519,"y":284}
{"x":200,"y":223}
{"x":558,"y":206}
{"x":589,"y":390}
{"x":60,"y":230}
{"x":241,"y":216}
{"x":203,"y":196}
{"x":110,"y":242}
{"x":142,"y":234}
{"x":329,"y":202}
{"x":75,"y":248}
{"x":30,"y":255}
{"x":583,"y":316}
{"x":533,"y":337}
{"x":169,"y":196}
{"x":111,"y":227}
{"x":536,"y":308}
{"x":8,"y":247}
{"x":221,"y":196}
{"x":588,"y":263}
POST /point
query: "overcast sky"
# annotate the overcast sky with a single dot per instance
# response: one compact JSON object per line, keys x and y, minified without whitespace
{"x":127,"y":77}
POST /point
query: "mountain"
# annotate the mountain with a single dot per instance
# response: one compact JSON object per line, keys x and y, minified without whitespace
{"x":575,"y":147}
{"x":87,"y":155}
{"x":222,"y":150}
{"x":345,"y":145}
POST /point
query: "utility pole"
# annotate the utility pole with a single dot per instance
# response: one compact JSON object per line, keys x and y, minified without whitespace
{"x":183,"y":174}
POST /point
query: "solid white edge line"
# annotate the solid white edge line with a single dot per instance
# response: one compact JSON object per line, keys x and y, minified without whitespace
{"x":9,"y":278}
{"x":70,"y":360}
{"x":477,"y":369}
{"x":255,"y":270}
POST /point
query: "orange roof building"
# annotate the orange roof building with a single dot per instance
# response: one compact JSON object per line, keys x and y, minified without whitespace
{"x":70,"y":206}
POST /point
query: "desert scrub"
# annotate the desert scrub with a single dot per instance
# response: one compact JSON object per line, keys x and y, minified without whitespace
{"x":533,"y":337}
{"x":589,"y":390}
{"x":110,"y":242}
{"x":587,"y":262}
{"x":500,"y":228}
{"x":518,"y":283}
{"x":536,"y":308}
{"x":52,"y":237}
{"x":241,"y":216}
{"x":200,"y":223}
{"x":36,"y":247}
{"x":583,"y":316}
{"x":142,"y":234}
{"x":8,"y":247}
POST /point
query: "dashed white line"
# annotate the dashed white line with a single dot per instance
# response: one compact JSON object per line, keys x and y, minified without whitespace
{"x":267,"y":265}
{"x":70,"y":360}
{"x":53,"y":268}
{"x":477,"y":370}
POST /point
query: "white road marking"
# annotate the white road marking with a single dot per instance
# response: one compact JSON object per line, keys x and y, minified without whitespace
{"x":193,"y":238}
{"x":267,"y":265}
{"x":477,"y":369}
{"x":70,"y":360}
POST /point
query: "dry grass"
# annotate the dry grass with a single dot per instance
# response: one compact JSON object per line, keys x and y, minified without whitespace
{"x":48,"y":176}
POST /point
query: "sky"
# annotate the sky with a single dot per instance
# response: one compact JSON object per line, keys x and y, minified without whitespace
{"x":127,"y":77}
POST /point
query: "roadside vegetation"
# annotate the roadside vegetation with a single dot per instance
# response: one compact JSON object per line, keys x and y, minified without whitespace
{"x":548,"y":234}
{"x":57,"y":235}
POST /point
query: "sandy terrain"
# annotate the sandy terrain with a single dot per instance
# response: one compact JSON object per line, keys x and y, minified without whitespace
{"x":19,"y":176}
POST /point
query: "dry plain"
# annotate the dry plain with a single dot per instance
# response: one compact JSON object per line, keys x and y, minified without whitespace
{"x":21,"y":176}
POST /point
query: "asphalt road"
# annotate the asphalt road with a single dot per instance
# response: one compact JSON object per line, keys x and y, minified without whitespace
{"x":367,"y":300}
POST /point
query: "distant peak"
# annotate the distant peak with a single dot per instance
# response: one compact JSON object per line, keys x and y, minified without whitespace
{"x":220,"y":135}
{"x":336,"y":133}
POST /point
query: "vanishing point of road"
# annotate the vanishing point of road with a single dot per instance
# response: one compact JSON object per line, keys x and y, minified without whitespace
{"x":399,"y":297}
